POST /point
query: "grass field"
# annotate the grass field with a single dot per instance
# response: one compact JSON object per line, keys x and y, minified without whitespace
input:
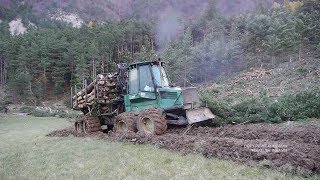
{"x":26,"y":153}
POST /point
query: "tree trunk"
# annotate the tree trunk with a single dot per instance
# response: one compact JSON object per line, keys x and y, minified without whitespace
{"x":94,"y":69}
{"x":273,"y":60}
{"x":1,"y":71}
{"x":185,"y":73}
{"x":152,"y":44}
{"x":102,"y":63}
{"x":300,"y":51}
{"x":132,"y":47}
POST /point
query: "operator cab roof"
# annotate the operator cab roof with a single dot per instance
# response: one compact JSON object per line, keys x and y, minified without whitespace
{"x":134,"y":65}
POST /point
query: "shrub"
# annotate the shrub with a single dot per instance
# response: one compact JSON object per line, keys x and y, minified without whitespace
{"x":301,"y":105}
{"x":26,"y":109}
{"x":289,"y":107}
{"x":302,"y":71}
{"x":67,"y":102}
{"x":218,"y":106}
{"x":46,"y":112}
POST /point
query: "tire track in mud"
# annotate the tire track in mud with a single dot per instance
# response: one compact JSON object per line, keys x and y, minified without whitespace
{"x":302,"y":134}
{"x":286,"y":147}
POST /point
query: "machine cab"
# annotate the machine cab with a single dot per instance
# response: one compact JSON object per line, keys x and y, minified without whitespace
{"x":148,"y":86}
{"x":146,"y":77}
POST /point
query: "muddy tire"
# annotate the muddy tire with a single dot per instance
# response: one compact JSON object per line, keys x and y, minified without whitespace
{"x":78,"y":127}
{"x":91,"y":124}
{"x":152,"y":122}
{"x":125,"y":122}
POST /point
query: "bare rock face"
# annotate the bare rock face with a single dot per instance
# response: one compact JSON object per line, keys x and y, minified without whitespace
{"x":16,"y":27}
{"x":71,"y":18}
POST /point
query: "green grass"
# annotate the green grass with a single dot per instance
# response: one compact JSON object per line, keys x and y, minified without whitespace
{"x":26,"y":153}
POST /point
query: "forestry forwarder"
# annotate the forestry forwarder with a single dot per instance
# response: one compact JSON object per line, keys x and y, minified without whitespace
{"x":137,"y":98}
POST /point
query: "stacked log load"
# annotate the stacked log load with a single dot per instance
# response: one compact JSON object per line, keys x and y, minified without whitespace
{"x":102,"y":90}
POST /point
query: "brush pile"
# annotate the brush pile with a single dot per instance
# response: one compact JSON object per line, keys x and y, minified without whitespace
{"x":255,"y":74}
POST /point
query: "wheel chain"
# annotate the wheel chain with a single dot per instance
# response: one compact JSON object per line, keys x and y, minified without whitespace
{"x":89,"y":124}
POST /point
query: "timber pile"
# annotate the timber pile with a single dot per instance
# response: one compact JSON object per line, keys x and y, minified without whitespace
{"x":103,"y":90}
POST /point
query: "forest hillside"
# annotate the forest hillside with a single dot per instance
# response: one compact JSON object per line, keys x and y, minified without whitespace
{"x":47,"y":47}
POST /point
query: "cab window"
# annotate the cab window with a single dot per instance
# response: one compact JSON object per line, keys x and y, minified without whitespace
{"x":146,"y":83}
{"x":133,"y":81}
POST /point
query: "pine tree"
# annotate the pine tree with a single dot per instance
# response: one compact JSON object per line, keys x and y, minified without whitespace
{"x":147,"y":52}
{"x":310,"y":16}
{"x":282,"y":35}
{"x":4,"y":46}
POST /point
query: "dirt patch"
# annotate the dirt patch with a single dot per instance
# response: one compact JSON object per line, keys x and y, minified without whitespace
{"x":71,"y":132}
{"x":300,"y":134}
{"x":287,"y":147}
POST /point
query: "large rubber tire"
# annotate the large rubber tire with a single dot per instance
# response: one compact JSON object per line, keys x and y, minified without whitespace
{"x":125,"y":122}
{"x":78,"y":127}
{"x":78,"y":124}
{"x":91,"y":124}
{"x":152,"y":122}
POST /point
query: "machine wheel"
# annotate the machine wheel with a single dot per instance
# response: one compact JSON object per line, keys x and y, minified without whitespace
{"x":78,"y":124}
{"x":125,"y":122}
{"x":91,"y":124}
{"x":152,"y":121}
{"x":78,"y":127}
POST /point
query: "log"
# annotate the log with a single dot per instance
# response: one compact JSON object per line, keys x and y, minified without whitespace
{"x":105,"y":97}
{"x":105,"y":108}
{"x":92,"y":93}
{"x":90,"y":99}
{"x":101,"y":82}
{"x":79,"y":98}
{"x":80,"y":93}
{"x":80,"y":102}
{"x":90,"y":103}
{"x":101,"y":101}
{"x":90,"y":87}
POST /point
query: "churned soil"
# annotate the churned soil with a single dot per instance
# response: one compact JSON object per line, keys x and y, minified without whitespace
{"x":71,"y":132}
{"x":294,"y":148}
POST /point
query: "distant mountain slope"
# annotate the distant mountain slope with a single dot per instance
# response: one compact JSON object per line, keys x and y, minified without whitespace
{"x":106,"y":10}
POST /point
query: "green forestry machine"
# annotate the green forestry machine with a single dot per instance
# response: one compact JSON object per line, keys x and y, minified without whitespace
{"x":138,"y":98}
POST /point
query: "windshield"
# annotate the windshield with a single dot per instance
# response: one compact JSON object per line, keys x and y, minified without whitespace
{"x":142,"y":79}
{"x":161,"y":79}
{"x":146,"y":83}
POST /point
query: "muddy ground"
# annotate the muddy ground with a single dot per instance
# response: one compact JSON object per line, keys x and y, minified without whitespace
{"x":288,"y":147}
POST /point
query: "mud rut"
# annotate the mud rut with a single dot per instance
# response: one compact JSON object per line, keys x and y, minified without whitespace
{"x":287,"y":147}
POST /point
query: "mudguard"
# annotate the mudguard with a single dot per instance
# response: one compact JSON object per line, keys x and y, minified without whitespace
{"x":199,"y":114}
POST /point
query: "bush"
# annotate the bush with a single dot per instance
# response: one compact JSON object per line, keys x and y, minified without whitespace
{"x":220,"y":107}
{"x":301,"y":105}
{"x":289,"y":107}
{"x":5,"y":100}
{"x":46,"y":112}
{"x":37,"y":112}
{"x":67,"y":102}
{"x":4,"y":104}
